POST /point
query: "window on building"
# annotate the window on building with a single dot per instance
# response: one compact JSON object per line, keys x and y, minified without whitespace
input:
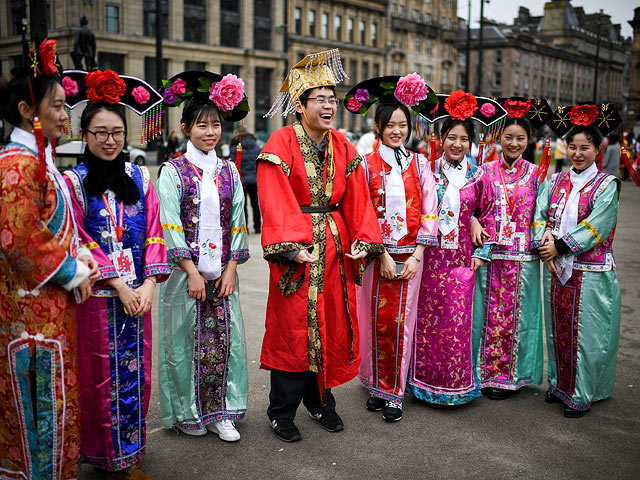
{"x":401,"y":40}
{"x":428,"y":74}
{"x":376,"y":70}
{"x":462,"y":59}
{"x":230,"y":23}
{"x":337,"y":25}
{"x":526,"y":59}
{"x":262,"y":101}
{"x":262,"y":24}
{"x":525,"y":83}
{"x":297,"y":20}
{"x":150,"y":69}
{"x":350,"y":34}
{"x":195,"y":21}
{"x":363,"y":32}
{"x":312,"y":23}
{"x":113,"y":61}
{"x":427,"y":18}
{"x":111,"y":19}
{"x":374,"y":34}
{"x":535,"y":84}
{"x":190,"y":65}
{"x":353,"y":71}
{"x":535,"y":61}
{"x":418,"y":43}
{"x":396,"y":68}
{"x":497,"y":79}
{"x":429,"y":47}
{"x":516,"y":80}
{"x":149,"y":18}
{"x":324,"y":26}
{"x":365,"y":69}
{"x":416,"y":68}
{"x":445,"y":76}
{"x":230,"y":68}
{"x":498,"y":56}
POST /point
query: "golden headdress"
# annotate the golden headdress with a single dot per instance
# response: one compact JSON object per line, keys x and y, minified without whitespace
{"x":322,"y":69}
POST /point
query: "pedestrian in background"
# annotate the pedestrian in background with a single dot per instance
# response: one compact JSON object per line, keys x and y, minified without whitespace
{"x":248,"y":168}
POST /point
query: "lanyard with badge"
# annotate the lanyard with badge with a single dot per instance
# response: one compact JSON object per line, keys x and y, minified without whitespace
{"x":508,"y":227}
{"x":122,"y":259}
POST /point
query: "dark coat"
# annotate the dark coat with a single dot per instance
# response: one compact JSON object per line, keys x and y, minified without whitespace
{"x":250,"y":152}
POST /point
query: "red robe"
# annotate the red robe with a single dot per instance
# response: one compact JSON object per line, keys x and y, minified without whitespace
{"x":311,"y":321}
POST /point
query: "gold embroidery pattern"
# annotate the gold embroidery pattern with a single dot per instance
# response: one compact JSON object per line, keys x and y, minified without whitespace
{"x":276,"y":160}
{"x":154,"y":240}
{"x":172,"y":226}
{"x":594,"y":233}
{"x":272,"y":253}
{"x":91,"y":245}
{"x":238,"y":229}
{"x":353,"y":164}
{"x":374,"y":250}
{"x":538,"y":224}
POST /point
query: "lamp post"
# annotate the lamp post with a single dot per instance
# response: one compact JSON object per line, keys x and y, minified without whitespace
{"x":479,"y":79}
{"x":467,"y":75}
{"x":595,"y":80}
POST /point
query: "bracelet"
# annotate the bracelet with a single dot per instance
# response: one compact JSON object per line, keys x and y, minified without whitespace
{"x":416,"y":258}
{"x":152,"y":280}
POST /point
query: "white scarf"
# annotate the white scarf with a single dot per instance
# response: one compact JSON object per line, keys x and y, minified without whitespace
{"x":208,"y":224}
{"x":449,"y":211}
{"x":569,"y":219}
{"x":395,"y":212}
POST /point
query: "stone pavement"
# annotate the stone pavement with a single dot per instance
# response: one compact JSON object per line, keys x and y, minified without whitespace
{"x":520,"y":437}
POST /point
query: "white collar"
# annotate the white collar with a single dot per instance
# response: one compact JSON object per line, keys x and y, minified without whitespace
{"x":389,"y":156}
{"x":207,"y":162}
{"x":28,"y":139}
{"x":462,"y":167}
{"x":581,"y":179}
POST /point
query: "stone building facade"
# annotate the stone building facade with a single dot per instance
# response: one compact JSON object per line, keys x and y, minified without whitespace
{"x":632,"y":120}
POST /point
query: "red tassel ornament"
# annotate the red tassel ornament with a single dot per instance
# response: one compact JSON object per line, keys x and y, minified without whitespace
{"x":545,"y":161}
{"x":432,"y":151}
{"x":480,"y":152}
{"x":624,"y":158}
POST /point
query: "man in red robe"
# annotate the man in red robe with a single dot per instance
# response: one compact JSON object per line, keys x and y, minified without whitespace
{"x":319,"y":232}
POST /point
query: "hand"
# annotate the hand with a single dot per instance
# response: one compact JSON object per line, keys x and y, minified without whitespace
{"x":478,"y":234}
{"x":551,"y":266}
{"x":89,"y":261}
{"x":227,"y":281}
{"x":476,"y":263}
{"x":195,"y":286}
{"x":130,"y":299}
{"x":356,"y":254}
{"x":387,"y":266}
{"x":304,"y":256}
{"x":146,"y":296}
{"x":410,"y":269}
{"x":548,"y":251}
{"x":85,"y":290}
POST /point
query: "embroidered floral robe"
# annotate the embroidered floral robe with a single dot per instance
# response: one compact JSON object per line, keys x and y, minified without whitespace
{"x":582,"y":317}
{"x":113,"y":347}
{"x":202,"y":359}
{"x":311,"y":319}
{"x":387,"y":308}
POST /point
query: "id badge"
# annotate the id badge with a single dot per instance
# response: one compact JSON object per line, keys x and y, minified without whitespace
{"x":123,"y":261}
{"x":506,"y":234}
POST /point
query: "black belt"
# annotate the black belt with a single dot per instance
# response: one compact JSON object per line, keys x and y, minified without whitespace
{"x":319,"y":209}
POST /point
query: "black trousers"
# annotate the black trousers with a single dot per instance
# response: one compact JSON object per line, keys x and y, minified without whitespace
{"x":251,"y":191}
{"x":289,"y":388}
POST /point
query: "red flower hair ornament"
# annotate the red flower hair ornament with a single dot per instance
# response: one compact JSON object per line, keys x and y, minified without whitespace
{"x":460,"y":105}
{"x":584,"y":115}
{"x":48,"y":62}
{"x":105,"y":87}
{"x":517,"y":108}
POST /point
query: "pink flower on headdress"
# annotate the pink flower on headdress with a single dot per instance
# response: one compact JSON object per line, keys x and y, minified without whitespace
{"x":361,"y":95}
{"x":140,"y":95}
{"x":411,"y":90}
{"x":227,"y":93}
{"x":353,"y":104}
{"x":179,"y":86}
{"x":70,"y":87}
{"x":487,"y":110}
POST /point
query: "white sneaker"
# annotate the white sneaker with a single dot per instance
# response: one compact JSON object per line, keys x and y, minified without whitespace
{"x":194,"y":432}
{"x":225,"y":429}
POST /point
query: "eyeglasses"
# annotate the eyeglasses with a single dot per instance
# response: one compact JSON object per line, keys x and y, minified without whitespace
{"x":333,"y":101}
{"x":104,"y":136}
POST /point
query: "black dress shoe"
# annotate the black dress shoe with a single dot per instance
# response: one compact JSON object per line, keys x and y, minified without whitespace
{"x":286,"y":430}
{"x":329,"y":420}
{"x":375,"y":404}
{"x":499,"y":394}
{"x":571,"y":413}
{"x":392,"y":412}
{"x":550,"y":398}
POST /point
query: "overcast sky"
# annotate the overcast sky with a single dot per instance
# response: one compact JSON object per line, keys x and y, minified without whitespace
{"x":505,"y":11}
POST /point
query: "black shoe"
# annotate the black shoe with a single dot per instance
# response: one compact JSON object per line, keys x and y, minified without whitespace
{"x":285,"y":430}
{"x":498,"y":394}
{"x":375,"y":404}
{"x":550,"y":398}
{"x":571,"y":413}
{"x":392,"y":412}
{"x":329,"y":420}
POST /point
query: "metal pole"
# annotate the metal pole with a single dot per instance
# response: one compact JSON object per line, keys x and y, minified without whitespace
{"x":38,"y":14}
{"x":467,"y":76}
{"x":479,"y":79}
{"x":595,"y":80}
{"x":159,"y":62}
